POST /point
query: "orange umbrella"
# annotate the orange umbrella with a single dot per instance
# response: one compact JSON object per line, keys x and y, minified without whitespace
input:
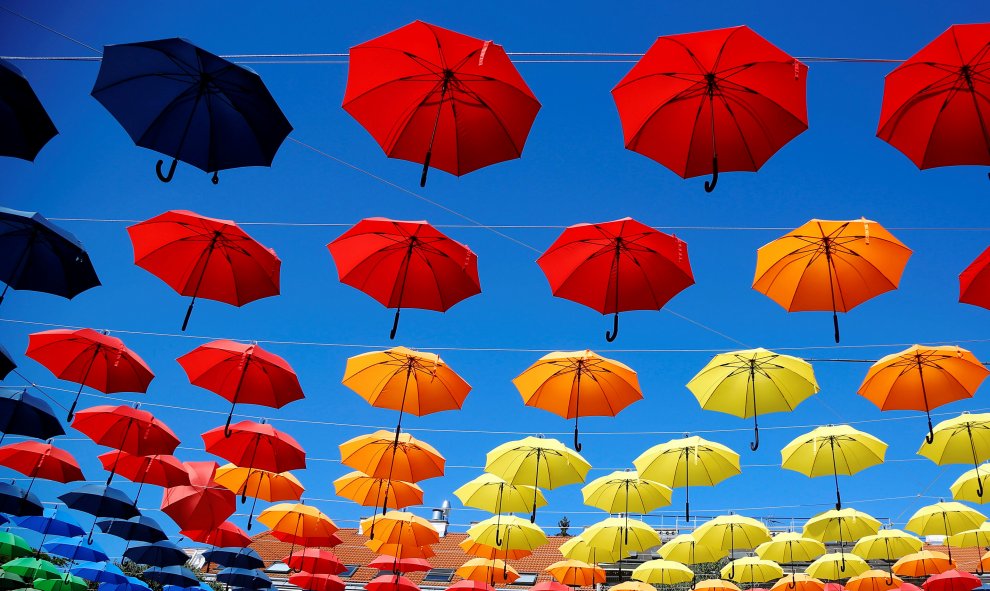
{"x":380,"y":455}
{"x":473,"y":548}
{"x":576,"y":384}
{"x":401,"y":527}
{"x":260,"y":484}
{"x":491,"y":571}
{"x":369,"y":491}
{"x":923,"y":564}
{"x":873,"y":580}
{"x":400,"y":550}
{"x":576,"y":573}
{"x":301,"y":523}
{"x":923,"y":378}
{"x":830,"y":265}
{"x":797,"y":582}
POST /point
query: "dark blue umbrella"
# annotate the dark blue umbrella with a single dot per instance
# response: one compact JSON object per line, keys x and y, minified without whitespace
{"x":171,"y":575}
{"x":131,"y":584}
{"x":25,"y":127}
{"x":158,"y":554}
{"x":100,"y":500}
{"x":135,"y":529}
{"x":175,"y":98}
{"x":4,"y":519}
{"x":37,"y":255}
{"x":54,"y":522}
{"x":99,"y":572}
{"x":24,"y":414}
{"x":7,"y":364}
{"x":242,"y":577}
{"x":235,"y":557}
{"x":75,"y":549}
{"x":17,"y":501}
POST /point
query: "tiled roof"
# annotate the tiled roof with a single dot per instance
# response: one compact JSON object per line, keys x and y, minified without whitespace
{"x":966,"y":559}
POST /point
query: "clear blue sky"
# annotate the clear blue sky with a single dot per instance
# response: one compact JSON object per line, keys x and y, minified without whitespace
{"x":574,"y":169}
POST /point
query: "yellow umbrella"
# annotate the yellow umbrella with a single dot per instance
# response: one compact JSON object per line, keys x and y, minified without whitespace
{"x":840,"y":525}
{"x":662,"y":572}
{"x":259,"y":484}
{"x":538,"y":462}
{"x":751,"y":569}
{"x":753,"y":382}
{"x":685,"y":549}
{"x":632,"y":586}
{"x":960,"y":440}
{"x":715,"y":585}
{"x":577,"y":548}
{"x":789,"y":547}
{"x":970,"y":485}
{"x":507,"y":532}
{"x":493,"y":572}
{"x":923,"y":564}
{"x":369,"y":491}
{"x":574,"y":384}
{"x":687,"y":462}
{"x":798,"y":582}
{"x":972,"y":537}
{"x":400,"y":527}
{"x":620,"y":535}
{"x":873,"y":580}
{"x":493,"y":494}
{"x":833,"y":450}
{"x":576,"y":573}
{"x":732,"y":532}
{"x":835,"y":566}
{"x":946,"y":519}
{"x":886,"y":544}
{"x":624,"y":492}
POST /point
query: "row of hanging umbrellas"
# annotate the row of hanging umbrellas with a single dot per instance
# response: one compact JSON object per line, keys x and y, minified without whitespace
{"x":697,"y":103}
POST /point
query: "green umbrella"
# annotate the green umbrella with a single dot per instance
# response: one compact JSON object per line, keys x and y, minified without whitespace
{"x":13,"y":546}
{"x":65,"y":583}
{"x":32,"y":568}
{"x":10,"y":581}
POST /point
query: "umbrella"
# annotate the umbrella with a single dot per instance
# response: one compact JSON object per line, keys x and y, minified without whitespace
{"x":25,"y":123}
{"x":888,"y":545}
{"x":32,"y":568}
{"x":493,"y":494}
{"x":960,"y":440}
{"x":952,"y":580}
{"x":671,"y":464}
{"x":837,"y":565}
{"x":979,"y":536}
{"x":129,"y":584}
{"x":946,"y":519}
{"x":715,"y":585}
{"x":934,"y":104}
{"x":722,"y":100}
{"x":182,"y":101}
{"x":171,"y":575}
{"x":732,"y":532}
{"x":751,"y":569}
{"x":380,"y":456}
{"x":401,"y":528}
{"x":624,"y":491}
{"x":662,"y":572}
{"x":300,"y":521}
{"x":538,"y":462}
{"x":473,"y":548}
{"x":17,"y":501}
{"x":401,"y":550}
{"x":205,"y":257}
{"x":7,"y":363}
{"x":841,"y":525}
{"x":586,"y":262}
{"x":259,"y":484}
{"x":493,"y":571}
{"x":40,"y":256}
{"x":256,"y":445}
{"x":54,"y":522}
{"x":41,"y":460}
{"x":236,"y":557}
{"x":127,"y":429}
{"x":832,"y":450}
{"x":324,"y":562}
{"x":24,"y":414}
{"x":13,"y":546}
{"x":753,"y":382}
{"x":873,"y":580}
{"x":99,"y":572}
{"x":241,"y":577}
{"x":162,"y":553}
{"x":390,"y":583}
{"x":242,"y":373}
{"x":369,"y":491}
{"x":561,"y":381}
{"x":684,"y":548}
{"x":10,"y":581}
{"x":316,"y":582}
{"x":158,"y":469}
{"x":621,"y":537}
{"x":790,"y":547}
{"x":224,"y":535}
{"x":507,"y":532}
{"x":396,"y":565}
{"x":923,"y":378}
{"x":203,"y":504}
{"x":798,"y":582}
{"x":66,"y":582}
{"x":623,"y":586}
{"x":576,"y":573}
{"x":139,"y":529}
{"x":859,"y":260}
{"x":405,"y":264}
{"x":100,"y":501}
{"x":973,"y":282}
{"x":91,"y":359}
{"x":923,"y":564}
{"x":431,"y":95}
{"x":75,"y":550}
{"x":469,"y":585}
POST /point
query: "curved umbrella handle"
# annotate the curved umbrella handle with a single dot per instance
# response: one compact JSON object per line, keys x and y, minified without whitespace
{"x":577,"y":444}
{"x":226,"y":426}
{"x":610,"y":336}
{"x":979,"y":487}
{"x":755,"y":445}
{"x":709,"y":187}
{"x":931,"y":434}
{"x":395,"y":324}
{"x":171,"y":170}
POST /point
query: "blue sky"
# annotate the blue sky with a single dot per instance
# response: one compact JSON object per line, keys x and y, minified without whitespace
{"x":574,"y":169}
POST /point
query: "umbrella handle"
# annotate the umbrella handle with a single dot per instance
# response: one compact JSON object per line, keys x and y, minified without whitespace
{"x":72,"y":409}
{"x":755,"y":445}
{"x":709,"y":187}
{"x":577,"y":444}
{"x":931,"y":437}
{"x":171,"y":170}
{"x":610,"y":336}
{"x":835,"y":325}
{"x":216,"y":178}
{"x":426,"y":168}
{"x":395,"y":324}
{"x":979,"y":487}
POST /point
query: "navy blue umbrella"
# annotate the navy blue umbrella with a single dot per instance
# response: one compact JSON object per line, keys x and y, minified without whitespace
{"x":177,"y":99}
{"x":234,"y":557}
{"x":136,"y":529}
{"x":25,"y":126}
{"x":54,"y":522}
{"x":75,"y":549}
{"x":37,"y":255}
{"x":7,"y":364}
{"x":158,"y":554}
{"x":17,"y":501}
{"x":241,"y":577}
{"x":100,"y":500}
{"x":171,"y":575}
{"x":24,"y":414}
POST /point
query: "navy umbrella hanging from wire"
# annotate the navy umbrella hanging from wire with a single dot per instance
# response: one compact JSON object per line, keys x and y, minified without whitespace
{"x":7,"y":363}
{"x":182,"y":101}
{"x":25,"y":126}
{"x":27,"y":415}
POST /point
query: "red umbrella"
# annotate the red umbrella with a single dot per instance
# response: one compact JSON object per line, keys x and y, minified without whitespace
{"x":315,"y":561}
{"x":974,"y":282}
{"x":242,"y":373}
{"x":724,"y":100}
{"x":549,"y":586}
{"x":89,"y":358}
{"x":126,"y":428}
{"x":314,"y":582}
{"x":952,"y":580}
{"x":224,"y":535}
{"x":430,"y":95}
{"x":40,"y":460}
{"x":405,"y":265}
{"x":205,"y":258}
{"x":469,"y":585}
{"x":400,"y":565}
{"x":617,"y":266}
{"x":158,"y":469}
{"x":256,"y":445}
{"x":202,"y":504}
{"x":390,"y":583}
{"x":325,"y":541}
{"x":935,"y":108}
{"x":835,"y":587}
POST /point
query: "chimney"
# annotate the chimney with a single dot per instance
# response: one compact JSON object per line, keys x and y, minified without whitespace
{"x":440,"y":518}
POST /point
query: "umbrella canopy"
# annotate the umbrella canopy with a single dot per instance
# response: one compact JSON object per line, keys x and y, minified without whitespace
{"x":75,"y":549}
{"x":54,"y":522}
{"x":469,"y":585}
{"x":971,"y":484}
{"x":873,"y":580}
{"x":162,"y":553}
{"x":972,"y":537}
{"x":40,"y":256}
{"x":242,"y":373}
{"x":858,"y":259}
{"x":11,"y":581}
{"x":836,"y":566}
{"x":66,"y":582}
{"x":538,"y":462}
{"x":236,"y":557}
{"x":841,"y":525}
{"x":960,"y":440}
{"x":100,"y":572}
{"x":576,"y":573}
{"x":790,"y":547}
{"x":241,"y":577}
{"x":662,"y":572}
{"x":617,"y":266}
{"x":402,"y":565}
{"x":732,"y":532}
{"x":369,"y":491}
{"x":13,"y":546}
{"x":751,"y":569}
{"x":923,"y":378}
{"x":507,"y":532}
{"x":952,"y":580}
{"x":684,"y":548}
{"x":89,"y":358}
{"x":400,"y":550}
{"x":621,"y":536}
{"x":24,"y":414}
{"x":715,"y":585}
{"x":32,"y":568}
{"x":405,"y":264}
{"x":798,"y":582}
{"x":574,"y":384}
{"x":185,"y":102}
{"x":225,"y":534}
{"x":128,"y":429}
{"x":316,"y":582}
{"x":400,"y":527}
{"x":137,"y":529}
{"x":435,"y":96}
{"x":7,"y":364}
{"x":753,"y":382}
{"x":626,"y":586}
{"x":886,"y":544}
{"x":721,"y":100}
{"x":493,"y":494}
{"x":625,"y":491}
{"x":974,"y":282}
{"x":923,"y":564}
{"x":687,"y":462}
{"x":832,"y":450}
{"x":324,"y":562}
{"x":171,"y":575}
{"x":41,"y":460}
{"x":203,"y":504}
{"x":205,"y":257}
{"x":934,"y":109}
{"x":946,"y":519}
{"x":390,"y":583}
{"x":158,"y":469}
{"x":495,"y":572}
{"x":259,"y":484}
{"x":25,"y":123}
{"x":298,"y":520}
{"x":473,"y":548}
{"x":130,"y":584}
{"x":17,"y":501}
{"x":256,"y":445}
{"x":379,"y":455}
{"x":101,"y":501}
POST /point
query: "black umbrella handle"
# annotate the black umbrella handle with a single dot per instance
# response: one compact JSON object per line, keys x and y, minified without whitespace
{"x":426,"y":169}
{"x":835,"y":325}
{"x":709,"y":187}
{"x":171,"y":170}
{"x":610,"y":336}
{"x":395,"y":324}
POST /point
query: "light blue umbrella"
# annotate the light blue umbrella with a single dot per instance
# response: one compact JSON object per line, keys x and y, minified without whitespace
{"x":54,"y":522}
{"x":131,"y":584}
{"x":75,"y":549}
{"x":99,"y":572}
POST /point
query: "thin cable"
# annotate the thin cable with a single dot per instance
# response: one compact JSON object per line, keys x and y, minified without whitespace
{"x":708,"y":328}
{"x":51,"y":30}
